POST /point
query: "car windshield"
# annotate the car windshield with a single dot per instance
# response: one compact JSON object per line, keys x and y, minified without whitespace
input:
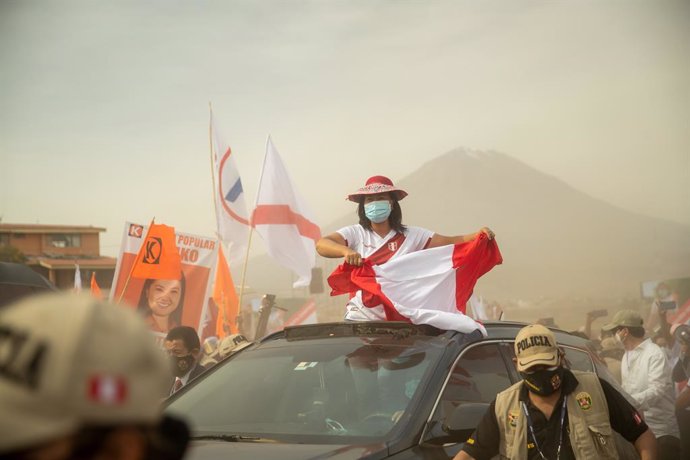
{"x":318,"y":391}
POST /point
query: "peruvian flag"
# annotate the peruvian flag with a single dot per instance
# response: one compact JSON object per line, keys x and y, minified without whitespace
{"x":283,"y":219}
{"x":107,"y":389}
{"x":431,"y":286}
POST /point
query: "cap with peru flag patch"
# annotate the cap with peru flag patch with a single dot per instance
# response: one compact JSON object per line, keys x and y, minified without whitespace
{"x":69,"y":360}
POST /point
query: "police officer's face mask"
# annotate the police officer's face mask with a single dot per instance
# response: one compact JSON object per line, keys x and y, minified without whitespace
{"x":182,"y":364}
{"x":543,"y":382}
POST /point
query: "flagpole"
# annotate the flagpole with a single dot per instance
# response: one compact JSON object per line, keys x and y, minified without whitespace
{"x":213,"y":174}
{"x":244,"y":268}
{"x":213,"y":191}
{"x":221,"y":308}
{"x":131,"y":269}
{"x":251,"y":224}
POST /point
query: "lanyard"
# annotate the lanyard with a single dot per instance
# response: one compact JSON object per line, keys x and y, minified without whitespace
{"x":531,"y":429}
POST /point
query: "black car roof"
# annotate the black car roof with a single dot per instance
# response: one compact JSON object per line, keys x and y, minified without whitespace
{"x":509,"y":329}
{"x":500,"y":330}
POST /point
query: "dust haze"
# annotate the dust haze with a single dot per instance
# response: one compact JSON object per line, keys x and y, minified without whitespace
{"x":561,"y":125}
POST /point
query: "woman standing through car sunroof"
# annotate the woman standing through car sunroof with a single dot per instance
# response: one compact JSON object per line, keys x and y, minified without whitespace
{"x":379,"y":237}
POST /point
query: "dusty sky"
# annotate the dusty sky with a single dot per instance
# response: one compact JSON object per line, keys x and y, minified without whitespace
{"x":104,"y":105}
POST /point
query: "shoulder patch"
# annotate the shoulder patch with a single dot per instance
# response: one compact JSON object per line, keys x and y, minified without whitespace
{"x":584,"y":400}
{"x":513,"y":417}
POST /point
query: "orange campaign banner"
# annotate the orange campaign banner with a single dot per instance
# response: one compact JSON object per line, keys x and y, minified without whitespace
{"x":225,"y":296}
{"x":158,"y":257}
{"x":95,"y":288}
{"x":181,"y":297}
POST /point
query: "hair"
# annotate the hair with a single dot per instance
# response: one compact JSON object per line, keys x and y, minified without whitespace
{"x":637,"y":332}
{"x":188,"y":336}
{"x":395,"y":219}
{"x":143,"y":305}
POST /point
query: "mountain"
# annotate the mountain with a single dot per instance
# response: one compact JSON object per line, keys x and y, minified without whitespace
{"x":556,"y":241}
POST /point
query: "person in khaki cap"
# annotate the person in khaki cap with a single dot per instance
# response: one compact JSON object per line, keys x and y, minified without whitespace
{"x":647,"y":376}
{"x":555,"y":413}
{"x":80,"y":379}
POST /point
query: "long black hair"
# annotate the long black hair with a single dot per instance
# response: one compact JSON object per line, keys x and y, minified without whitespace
{"x":143,"y":306}
{"x":395,"y":219}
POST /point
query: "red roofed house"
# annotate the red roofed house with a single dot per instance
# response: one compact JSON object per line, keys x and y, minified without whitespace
{"x":54,"y":251}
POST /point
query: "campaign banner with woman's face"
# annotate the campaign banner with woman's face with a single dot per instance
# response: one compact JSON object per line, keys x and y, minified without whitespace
{"x":167,"y":303}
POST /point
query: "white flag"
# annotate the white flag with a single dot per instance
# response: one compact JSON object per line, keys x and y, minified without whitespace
{"x":231,"y":209}
{"x":283,"y":220}
{"x":77,"y":278}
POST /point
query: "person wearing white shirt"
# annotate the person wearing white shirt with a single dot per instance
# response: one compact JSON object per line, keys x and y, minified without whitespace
{"x":380,"y":236}
{"x":646,"y":376}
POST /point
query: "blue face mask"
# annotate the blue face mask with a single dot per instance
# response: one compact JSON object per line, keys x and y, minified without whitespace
{"x":378,"y":211}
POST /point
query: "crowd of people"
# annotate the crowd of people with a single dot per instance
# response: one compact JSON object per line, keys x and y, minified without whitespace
{"x":653,"y":367}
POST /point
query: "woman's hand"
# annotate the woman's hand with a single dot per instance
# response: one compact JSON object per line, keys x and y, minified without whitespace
{"x":487,"y":231}
{"x":353,"y":257}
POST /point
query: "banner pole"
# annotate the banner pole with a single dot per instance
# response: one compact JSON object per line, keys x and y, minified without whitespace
{"x":244,"y":269}
{"x":251,"y":224}
{"x":213,"y":172}
{"x":131,"y":269}
{"x":221,"y":308}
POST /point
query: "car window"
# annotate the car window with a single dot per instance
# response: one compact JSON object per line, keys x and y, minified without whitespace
{"x":477,"y":377}
{"x":578,"y":360}
{"x":311,"y":392}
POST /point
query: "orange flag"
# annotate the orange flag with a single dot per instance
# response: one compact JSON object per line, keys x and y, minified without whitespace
{"x":225,"y":296}
{"x":95,"y":290}
{"x":158,"y":257}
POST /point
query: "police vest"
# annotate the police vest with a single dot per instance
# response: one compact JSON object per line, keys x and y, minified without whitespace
{"x":591,"y":435}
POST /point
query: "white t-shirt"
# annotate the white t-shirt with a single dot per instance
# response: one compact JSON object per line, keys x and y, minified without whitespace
{"x":366,"y":243}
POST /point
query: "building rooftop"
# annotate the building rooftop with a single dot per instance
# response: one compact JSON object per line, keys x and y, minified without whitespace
{"x":41,"y":228}
{"x":52,"y":263}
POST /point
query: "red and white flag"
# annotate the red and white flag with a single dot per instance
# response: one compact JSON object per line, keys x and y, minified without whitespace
{"x":283,"y":219}
{"x":107,"y":390}
{"x":424,"y":287}
{"x":231,"y":208}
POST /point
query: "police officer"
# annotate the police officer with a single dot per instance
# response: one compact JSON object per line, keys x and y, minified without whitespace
{"x":555,"y":413}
